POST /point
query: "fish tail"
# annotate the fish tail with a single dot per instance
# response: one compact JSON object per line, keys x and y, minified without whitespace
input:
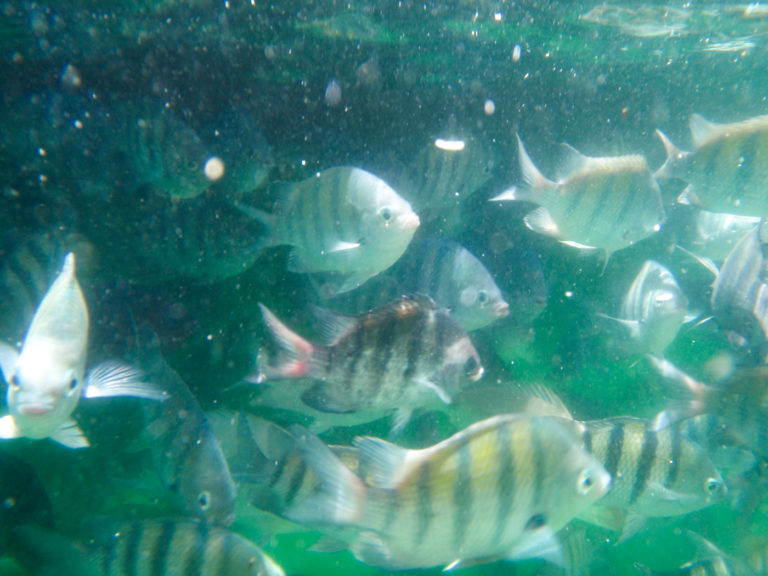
{"x":342,"y":495}
{"x":674,"y":155}
{"x":534,"y":181}
{"x":695,"y":394}
{"x":268,"y":220}
{"x":295,"y":354}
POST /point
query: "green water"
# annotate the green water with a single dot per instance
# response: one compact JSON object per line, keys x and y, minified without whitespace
{"x":601,"y":77}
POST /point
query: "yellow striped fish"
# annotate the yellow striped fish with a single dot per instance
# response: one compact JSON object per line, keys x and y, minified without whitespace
{"x":499,"y":489}
{"x":728,"y":168}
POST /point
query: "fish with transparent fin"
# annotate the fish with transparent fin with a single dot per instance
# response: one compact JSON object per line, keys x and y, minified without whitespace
{"x":344,"y":224}
{"x":500,"y":489}
{"x":47,"y":378}
{"x":403,"y":356}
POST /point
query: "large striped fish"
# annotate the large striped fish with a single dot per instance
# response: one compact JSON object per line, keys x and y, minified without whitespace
{"x":405,"y":355}
{"x":653,"y":310}
{"x":344,"y":222}
{"x":47,"y":377}
{"x":151,"y":547}
{"x":499,"y":489}
{"x":728,"y":168}
{"x":740,"y":292}
{"x":713,"y":234}
{"x":443,"y":270}
{"x":603,"y":203}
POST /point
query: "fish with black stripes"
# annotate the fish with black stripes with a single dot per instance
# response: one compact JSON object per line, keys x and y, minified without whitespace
{"x":714,"y":234}
{"x":47,"y":378}
{"x":407,"y":354}
{"x":344,"y":223}
{"x":144,"y":547}
{"x":499,"y":489}
{"x":727,"y":170}
{"x":652,"y":310}
{"x":443,"y":270}
{"x":599,"y":203}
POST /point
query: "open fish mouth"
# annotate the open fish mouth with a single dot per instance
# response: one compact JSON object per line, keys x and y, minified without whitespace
{"x":35,"y":409}
{"x":502,"y":310}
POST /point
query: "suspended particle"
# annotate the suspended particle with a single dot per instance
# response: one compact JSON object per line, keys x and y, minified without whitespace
{"x":333,"y":93}
{"x":214,"y":168}
{"x":489,"y":107}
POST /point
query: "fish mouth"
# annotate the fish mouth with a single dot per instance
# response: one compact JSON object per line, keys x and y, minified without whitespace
{"x":478,"y":374}
{"x":502,"y":310}
{"x":35,"y":409}
{"x":410,"y":221}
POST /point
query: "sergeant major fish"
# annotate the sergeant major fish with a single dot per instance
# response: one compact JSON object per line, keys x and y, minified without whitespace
{"x":343,"y":222}
{"x":47,"y":378}
{"x":727,"y":170}
{"x":404,"y":355}
{"x":499,"y":489}
{"x":599,"y":203}
{"x":653,"y":309}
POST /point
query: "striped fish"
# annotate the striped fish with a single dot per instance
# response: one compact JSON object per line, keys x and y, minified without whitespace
{"x":728,"y":168}
{"x":443,"y":270}
{"x":185,"y":450}
{"x":655,"y":473}
{"x":713,"y":235}
{"x":405,"y":355}
{"x":653,"y":310}
{"x":445,"y":174}
{"x":604,"y":203}
{"x":740,"y":293}
{"x":178,"y":547}
{"x":499,"y":489}
{"x":343,"y":222}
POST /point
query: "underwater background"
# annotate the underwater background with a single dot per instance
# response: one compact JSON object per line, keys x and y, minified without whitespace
{"x":278,"y":92}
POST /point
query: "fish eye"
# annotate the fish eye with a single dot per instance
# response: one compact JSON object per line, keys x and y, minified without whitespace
{"x":14,"y":382}
{"x":471,"y":366}
{"x":72,"y":384}
{"x":204,"y":500}
{"x":585,"y":482}
{"x":712,"y":485}
{"x":482,"y":297}
{"x":386,"y":214}
{"x":535,"y":522}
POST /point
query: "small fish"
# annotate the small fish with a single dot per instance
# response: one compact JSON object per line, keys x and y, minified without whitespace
{"x":47,"y":378}
{"x":714,"y":235}
{"x":446,"y":173}
{"x":599,"y":203}
{"x":446,"y":272}
{"x":185,"y":450}
{"x":653,"y":309}
{"x":404,"y":355}
{"x":499,"y":489}
{"x":727,"y":170}
{"x":740,"y":292}
{"x":344,"y":222}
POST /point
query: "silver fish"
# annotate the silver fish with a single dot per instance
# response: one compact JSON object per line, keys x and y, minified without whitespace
{"x":728,"y":168}
{"x":715,"y":234}
{"x":402,"y":356}
{"x":498,"y":489}
{"x":344,"y":222}
{"x":47,"y":378}
{"x":653,"y":309}
{"x":599,"y":203}
{"x":443,"y":270}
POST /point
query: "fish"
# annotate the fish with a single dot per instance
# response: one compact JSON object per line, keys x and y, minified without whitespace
{"x":185,"y":450}
{"x":47,"y":378}
{"x":714,"y":234}
{"x":445,"y":174}
{"x":726,"y":170}
{"x":499,"y":489}
{"x":653,"y":310}
{"x":740,"y":293}
{"x":655,"y":471}
{"x":144,"y":547}
{"x":344,"y":223}
{"x":446,"y":272}
{"x":605,"y":203}
{"x":405,"y":355}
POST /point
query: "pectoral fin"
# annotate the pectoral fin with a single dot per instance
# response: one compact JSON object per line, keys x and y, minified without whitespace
{"x":8,"y":428}
{"x":8,"y":357}
{"x":70,"y":435}
{"x":112,"y":378}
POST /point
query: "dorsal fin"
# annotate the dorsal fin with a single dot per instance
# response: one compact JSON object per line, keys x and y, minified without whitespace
{"x":701,"y":130}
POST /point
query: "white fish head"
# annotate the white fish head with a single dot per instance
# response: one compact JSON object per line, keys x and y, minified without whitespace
{"x":49,"y":375}
{"x":474,"y":298}
{"x":387,"y":220}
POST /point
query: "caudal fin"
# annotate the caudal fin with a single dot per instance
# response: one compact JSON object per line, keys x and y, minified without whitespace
{"x":294,"y":353}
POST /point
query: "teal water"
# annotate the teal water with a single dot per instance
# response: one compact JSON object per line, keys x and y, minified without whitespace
{"x":253,"y":81}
